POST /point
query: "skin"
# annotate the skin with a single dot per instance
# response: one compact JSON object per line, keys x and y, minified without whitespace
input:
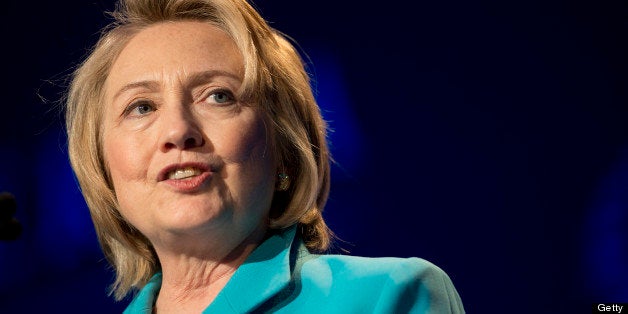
{"x":170,"y":99}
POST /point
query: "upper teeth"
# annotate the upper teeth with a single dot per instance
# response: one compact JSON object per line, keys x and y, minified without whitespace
{"x":183,"y":173}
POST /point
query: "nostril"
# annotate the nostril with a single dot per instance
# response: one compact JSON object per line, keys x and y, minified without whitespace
{"x":193,"y":142}
{"x":181,"y":132}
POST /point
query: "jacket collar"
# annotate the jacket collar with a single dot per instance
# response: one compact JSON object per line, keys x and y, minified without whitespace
{"x":263,"y":274}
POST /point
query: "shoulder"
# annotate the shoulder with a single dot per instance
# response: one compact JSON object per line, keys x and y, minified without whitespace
{"x":389,"y":284}
{"x":380,"y":268}
{"x":394,"y":269}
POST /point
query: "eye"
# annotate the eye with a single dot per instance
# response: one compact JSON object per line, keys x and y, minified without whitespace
{"x":220,"y":97}
{"x":139,"y":108}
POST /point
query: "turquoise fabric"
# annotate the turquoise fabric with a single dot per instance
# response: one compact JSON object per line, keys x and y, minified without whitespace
{"x":281,"y":276}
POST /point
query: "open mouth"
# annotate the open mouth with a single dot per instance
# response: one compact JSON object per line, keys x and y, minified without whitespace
{"x":183,"y":171}
{"x":179,"y":174}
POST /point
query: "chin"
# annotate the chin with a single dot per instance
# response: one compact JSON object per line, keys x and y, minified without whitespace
{"x":195,"y":215}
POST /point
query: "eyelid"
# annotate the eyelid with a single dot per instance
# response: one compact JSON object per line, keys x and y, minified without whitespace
{"x":134,"y":104}
{"x":212,"y":91}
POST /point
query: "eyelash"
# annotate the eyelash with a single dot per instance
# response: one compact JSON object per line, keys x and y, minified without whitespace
{"x":225,"y":92}
{"x":136,"y":104}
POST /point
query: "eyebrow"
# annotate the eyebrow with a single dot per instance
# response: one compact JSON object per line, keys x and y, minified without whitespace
{"x":194,"y":79}
{"x":130,"y":86}
{"x":202,"y":77}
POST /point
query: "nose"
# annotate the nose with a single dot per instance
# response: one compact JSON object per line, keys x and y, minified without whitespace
{"x":180,"y":130}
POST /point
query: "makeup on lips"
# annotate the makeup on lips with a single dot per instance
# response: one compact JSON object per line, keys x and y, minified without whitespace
{"x":187,"y":177}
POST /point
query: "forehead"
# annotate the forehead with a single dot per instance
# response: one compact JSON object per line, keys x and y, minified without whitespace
{"x":175,"y":48}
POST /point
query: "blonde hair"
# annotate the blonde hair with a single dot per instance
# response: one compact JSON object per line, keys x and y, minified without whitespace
{"x":274,"y":78}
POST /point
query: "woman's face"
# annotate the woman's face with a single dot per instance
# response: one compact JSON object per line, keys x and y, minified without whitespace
{"x":186,"y":156}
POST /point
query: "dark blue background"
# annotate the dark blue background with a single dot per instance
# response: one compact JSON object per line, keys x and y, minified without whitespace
{"x":488,"y":137}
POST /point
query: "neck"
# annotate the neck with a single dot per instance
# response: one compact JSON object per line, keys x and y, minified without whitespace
{"x":190,"y":282}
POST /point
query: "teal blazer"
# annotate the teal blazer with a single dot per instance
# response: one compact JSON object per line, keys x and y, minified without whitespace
{"x":281,"y":276}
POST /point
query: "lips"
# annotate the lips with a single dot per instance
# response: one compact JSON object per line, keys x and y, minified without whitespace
{"x":182,"y":171}
{"x":186,"y":177}
{"x":180,"y":174}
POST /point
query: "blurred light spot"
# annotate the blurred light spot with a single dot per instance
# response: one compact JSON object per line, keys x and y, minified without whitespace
{"x":605,"y":237}
{"x":330,"y":91}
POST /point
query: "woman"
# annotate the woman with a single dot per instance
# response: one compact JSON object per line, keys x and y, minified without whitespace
{"x":202,"y":155}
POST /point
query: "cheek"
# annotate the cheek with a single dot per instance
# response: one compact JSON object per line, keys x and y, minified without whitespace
{"x":248,"y":144}
{"x":252,"y":170}
{"x":128,"y":174}
{"x":124,"y":158}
